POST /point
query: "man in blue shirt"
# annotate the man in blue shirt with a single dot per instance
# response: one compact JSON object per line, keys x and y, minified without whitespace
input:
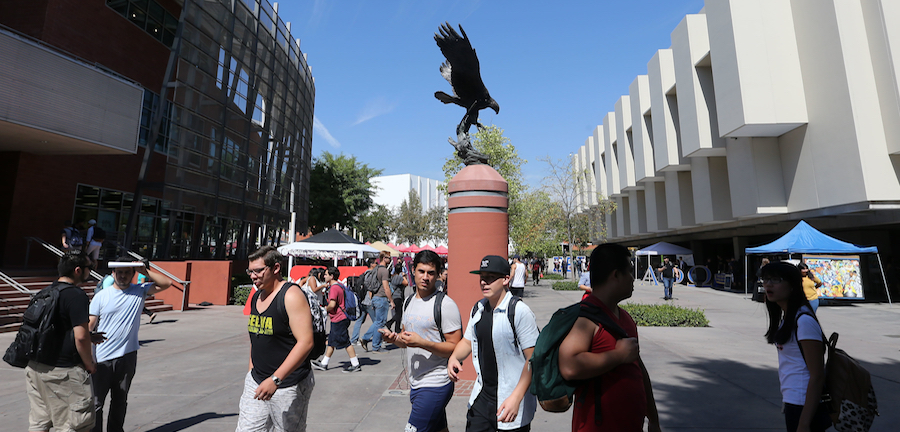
{"x":116,"y":311}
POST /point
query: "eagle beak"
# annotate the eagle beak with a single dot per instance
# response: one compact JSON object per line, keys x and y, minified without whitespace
{"x":495,"y":106}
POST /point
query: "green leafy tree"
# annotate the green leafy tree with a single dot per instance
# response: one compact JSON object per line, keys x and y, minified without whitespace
{"x":537,"y":230}
{"x":377,"y":224}
{"x":341,"y":191}
{"x":437,"y":222}
{"x":411,"y":221}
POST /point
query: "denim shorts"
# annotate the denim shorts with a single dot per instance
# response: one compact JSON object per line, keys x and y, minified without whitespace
{"x":339,"y":336}
{"x":429,"y":408}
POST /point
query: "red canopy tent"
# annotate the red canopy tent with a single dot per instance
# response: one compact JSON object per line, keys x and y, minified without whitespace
{"x":409,"y":249}
{"x":442,"y":250}
{"x":427,"y":247}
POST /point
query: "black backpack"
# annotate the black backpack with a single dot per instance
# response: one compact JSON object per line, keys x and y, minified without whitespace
{"x":98,"y":233}
{"x":438,"y":300}
{"x":38,"y":337}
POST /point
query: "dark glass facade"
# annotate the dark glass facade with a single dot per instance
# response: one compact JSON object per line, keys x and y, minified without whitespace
{"x":237,"y":133}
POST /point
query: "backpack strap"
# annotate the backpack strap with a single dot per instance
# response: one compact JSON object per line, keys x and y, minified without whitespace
{"x":511,"y":314}
{"x":824,"y":339}
{"x":438,"y":300}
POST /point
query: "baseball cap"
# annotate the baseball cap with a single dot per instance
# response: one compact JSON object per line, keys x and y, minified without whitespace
{"x":92,"y":222}
{"x":493,"y":264}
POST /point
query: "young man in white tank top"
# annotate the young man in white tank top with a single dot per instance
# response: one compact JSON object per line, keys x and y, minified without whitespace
{"x":519,"y":274}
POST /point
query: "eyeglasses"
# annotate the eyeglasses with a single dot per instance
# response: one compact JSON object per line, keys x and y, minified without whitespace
{"x":773,"y":280}
{"x":256,"y":271}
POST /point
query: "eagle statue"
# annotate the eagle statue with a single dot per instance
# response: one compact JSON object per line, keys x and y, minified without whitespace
{"x":463,"y":72}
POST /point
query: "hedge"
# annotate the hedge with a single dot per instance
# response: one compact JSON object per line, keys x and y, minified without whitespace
{"x":553,"y":276}
{"x":241,"y":292}
{"x":664,"y":315}
{"x":566,"y":286}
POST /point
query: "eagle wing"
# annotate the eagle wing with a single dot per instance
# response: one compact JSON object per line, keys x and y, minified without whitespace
{"x":462,"y":64}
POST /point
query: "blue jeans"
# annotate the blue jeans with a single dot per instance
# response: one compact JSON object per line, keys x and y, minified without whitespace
{"x":667,"y":287}
{"x":363,"y":311}
{"x":381,"y":305}
{"x":814,"y":304}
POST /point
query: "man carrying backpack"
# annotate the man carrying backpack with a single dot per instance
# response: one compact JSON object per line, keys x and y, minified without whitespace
{"x":59,"y":384}
{"x":339,"y":337}
{"x":501,"y":337}
{"x":431,"y":329}
{"x":280,"y":381}
{"x":380,"y":290}
{"x":613,"y":377}
{"x":365,"y":302}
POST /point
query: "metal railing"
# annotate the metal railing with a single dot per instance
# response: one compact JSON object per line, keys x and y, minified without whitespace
{"x":52,"y":249}
{"x":15,"y":284}
{"x":184,"y":284}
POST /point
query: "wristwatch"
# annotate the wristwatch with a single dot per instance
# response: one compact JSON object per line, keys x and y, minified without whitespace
{"x":276,"y":380}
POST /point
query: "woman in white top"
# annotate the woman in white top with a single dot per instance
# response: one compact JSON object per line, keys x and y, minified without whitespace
{"x":795,"y":331}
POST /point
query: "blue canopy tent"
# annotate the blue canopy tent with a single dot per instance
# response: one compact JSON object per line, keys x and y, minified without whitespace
{"x":661,"y":248}
{"x":803,"y":238}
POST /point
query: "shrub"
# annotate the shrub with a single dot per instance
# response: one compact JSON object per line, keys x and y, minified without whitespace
{"x":566,"y":286}
{"x":241,"y":292}
{"x":664,"y":315}
{"x":553,"y":276}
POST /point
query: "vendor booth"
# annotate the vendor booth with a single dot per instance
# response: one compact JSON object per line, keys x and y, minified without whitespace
{"x":835,"y":262}
{"x":661,"y":248}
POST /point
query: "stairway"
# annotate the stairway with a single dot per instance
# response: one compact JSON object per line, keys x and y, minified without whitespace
{"x":13,"y":303}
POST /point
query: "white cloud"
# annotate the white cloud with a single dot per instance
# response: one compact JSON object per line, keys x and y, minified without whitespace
{"x":319,"y":128}
{"x":374,"y":108}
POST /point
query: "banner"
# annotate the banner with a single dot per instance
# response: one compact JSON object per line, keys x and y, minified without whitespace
{"x":839,"y":274}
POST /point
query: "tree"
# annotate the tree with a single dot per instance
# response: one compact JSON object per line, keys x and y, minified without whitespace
{"x":377,"y":224}
{"x":412,"y":224}
{"x":340,"y":191}
{"x":567,"y":184}
{"x":537,"y":230}
{"x":437,"y":222}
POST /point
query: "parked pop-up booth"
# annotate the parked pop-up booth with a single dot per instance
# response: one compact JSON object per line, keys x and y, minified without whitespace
{"x":834,"y":261}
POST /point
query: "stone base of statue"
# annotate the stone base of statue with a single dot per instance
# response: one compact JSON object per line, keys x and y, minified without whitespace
{"x":478,"y":225}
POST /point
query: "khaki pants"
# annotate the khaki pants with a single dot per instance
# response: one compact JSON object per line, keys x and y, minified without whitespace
{"x":60,"y":397}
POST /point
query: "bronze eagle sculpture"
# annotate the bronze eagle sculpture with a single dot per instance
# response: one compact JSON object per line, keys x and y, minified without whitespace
{"x":463,"y":72}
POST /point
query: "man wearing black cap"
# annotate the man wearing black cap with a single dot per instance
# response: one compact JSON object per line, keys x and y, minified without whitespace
{"x":500,"y":336}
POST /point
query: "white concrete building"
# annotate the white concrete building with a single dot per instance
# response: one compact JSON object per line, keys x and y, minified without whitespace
{"x":760,"y":113}
{"x":392,"y":190}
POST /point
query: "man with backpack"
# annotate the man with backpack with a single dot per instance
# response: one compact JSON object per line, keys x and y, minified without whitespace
{"x":59,"y":379}
{"x":431,"y":329}
{"x":501,"y":337}
{"x":71,"y":238}
{"x":341,"y":314}
{"x":364,"y":303}
{"x":614,"y":391}
{"x":378,"y":284}
{"x":279,"y":384}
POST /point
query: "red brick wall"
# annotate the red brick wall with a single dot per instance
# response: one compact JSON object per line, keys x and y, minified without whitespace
{"x":24,"y":16}
{"x":44,"y":195}
{"x":210,"y":281}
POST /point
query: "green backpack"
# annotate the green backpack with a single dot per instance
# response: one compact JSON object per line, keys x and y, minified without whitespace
{"x":555,"y":393}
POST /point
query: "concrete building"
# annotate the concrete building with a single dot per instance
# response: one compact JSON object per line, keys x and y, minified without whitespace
{"x":103,"y":111}
{"x":392,"y":190}
{"x":760,"y":114}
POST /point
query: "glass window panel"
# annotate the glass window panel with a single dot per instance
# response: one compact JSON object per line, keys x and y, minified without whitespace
{"x":168,"y":38}
{"x":137,"y":15}
{"x":88,"y":196}
{"x":111,"y":200}
{"x":170,"y":23}
{"x":149,"y":205}
{"x":156,"y":12}
{"x":155,"y":29}
{"x":120,"y":6}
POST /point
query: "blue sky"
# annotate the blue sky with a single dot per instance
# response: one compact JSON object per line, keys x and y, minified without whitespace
{"x":555,"y":68}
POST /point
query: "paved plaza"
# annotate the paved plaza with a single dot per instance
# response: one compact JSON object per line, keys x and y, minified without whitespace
{"x":191,"y":369}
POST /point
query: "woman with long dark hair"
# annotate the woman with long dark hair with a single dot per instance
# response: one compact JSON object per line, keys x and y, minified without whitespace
{"x":795,"y":331}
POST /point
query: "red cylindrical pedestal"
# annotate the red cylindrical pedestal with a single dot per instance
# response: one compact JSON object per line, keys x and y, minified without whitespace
{"x":478,"y":225}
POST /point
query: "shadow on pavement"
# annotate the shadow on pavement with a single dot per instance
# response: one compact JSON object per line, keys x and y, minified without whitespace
{"x":182,"y":424}
{"x":149,"y":341}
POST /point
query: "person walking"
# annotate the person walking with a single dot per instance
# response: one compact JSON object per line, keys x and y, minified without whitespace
{"x":795,"y":331}
{"x":380,"y":304}
{"x":280,"y":381}
{"x":363,"y":305}
{"x":339,"y":336}
{"x":519,"y":274}
{"x":592,"y":356}
{"x":500,"y":352}
{"x":429,"y":341}
{"x":398,"y":285}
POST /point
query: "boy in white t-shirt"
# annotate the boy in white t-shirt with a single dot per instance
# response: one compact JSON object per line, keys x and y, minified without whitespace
{"x":500,"y":399}
{"x":428,"y":344}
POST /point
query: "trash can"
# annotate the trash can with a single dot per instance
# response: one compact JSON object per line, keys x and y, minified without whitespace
{"x":760,"y":294}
